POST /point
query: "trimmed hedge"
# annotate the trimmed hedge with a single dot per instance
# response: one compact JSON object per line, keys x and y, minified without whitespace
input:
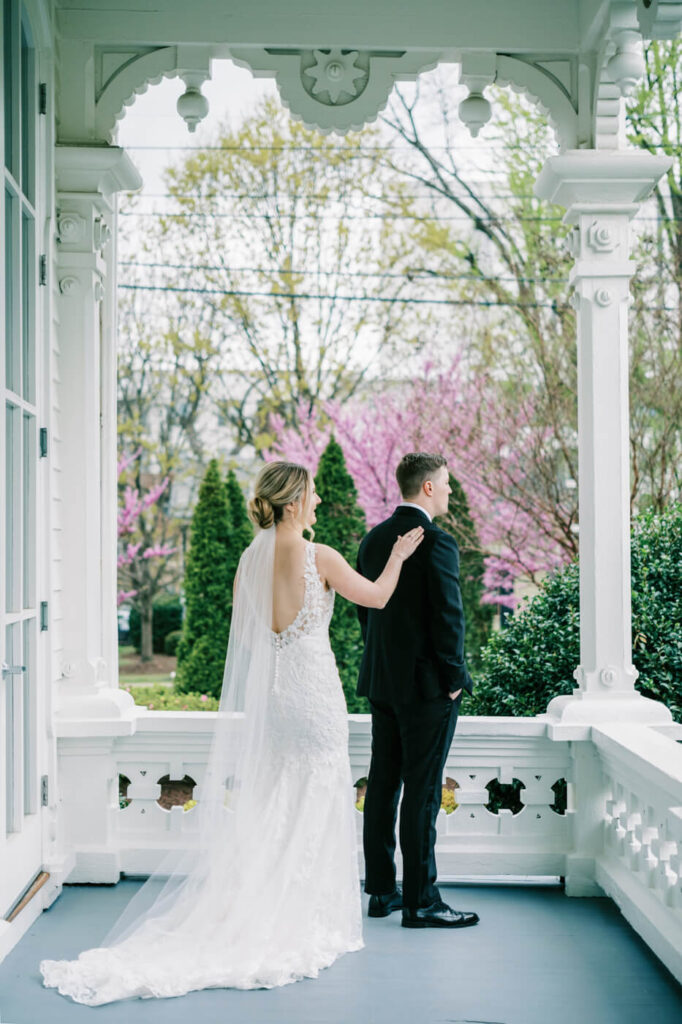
{"x":171,"y":642}
{"x":166,"y":618}
{"x":533,"y":658}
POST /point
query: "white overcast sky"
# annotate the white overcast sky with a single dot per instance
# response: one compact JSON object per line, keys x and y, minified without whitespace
{"x":152,"y":120}
{"x":154,"y":133}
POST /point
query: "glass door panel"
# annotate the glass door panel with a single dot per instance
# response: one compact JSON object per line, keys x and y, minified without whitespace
{"x":30,"y":716}
{"x":13,"y":767}
{"x":22,"y":727}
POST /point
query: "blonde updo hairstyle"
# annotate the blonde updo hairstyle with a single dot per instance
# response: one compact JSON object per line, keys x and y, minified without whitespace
{"x":277,"y":485}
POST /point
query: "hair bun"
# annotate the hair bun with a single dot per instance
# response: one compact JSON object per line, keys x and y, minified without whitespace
{"x":261,"y":512}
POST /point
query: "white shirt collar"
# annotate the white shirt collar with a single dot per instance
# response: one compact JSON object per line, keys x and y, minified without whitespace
{"x":413,"y":504}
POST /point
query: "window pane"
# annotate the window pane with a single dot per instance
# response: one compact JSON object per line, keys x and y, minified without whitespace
{"x":9,"y":55}
{"x":29,"y":506}
{"x":27,"y":108}
{"x":28,"y":276}
{"x":12,"y":507}
{"x":12,"y":292}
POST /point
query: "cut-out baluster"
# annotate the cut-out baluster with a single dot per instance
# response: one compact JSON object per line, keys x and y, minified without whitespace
{"x":504,"y":796}
{"x":123,"y":799}
{"x":449,"y":799}
{"x":176,"y":792}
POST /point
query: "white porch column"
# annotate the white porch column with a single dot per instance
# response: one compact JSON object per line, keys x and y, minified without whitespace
{"x":601,"y":192}
{"x":87,"y":179}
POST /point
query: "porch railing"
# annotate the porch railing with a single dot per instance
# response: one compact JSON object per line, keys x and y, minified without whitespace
{"x":604,"y":812}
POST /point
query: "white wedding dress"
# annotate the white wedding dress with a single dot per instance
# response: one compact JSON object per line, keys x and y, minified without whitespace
{"x":272,"y":907}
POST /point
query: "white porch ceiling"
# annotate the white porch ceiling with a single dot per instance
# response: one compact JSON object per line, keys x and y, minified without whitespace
{"x":556,"y":25}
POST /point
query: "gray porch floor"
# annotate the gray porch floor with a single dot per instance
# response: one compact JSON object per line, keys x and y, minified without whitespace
{"x":536,"y":957}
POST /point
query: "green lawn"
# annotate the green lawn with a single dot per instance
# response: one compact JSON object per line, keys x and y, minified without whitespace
{"x":132,"y":673}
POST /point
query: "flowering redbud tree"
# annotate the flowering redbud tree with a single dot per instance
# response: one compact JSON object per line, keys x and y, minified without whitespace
{"x":142,"y":560}
{"x":497,"y":449}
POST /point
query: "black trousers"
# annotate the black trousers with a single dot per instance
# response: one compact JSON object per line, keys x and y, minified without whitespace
{"x":410,"y":743}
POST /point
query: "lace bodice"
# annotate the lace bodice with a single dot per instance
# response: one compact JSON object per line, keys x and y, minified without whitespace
{"x":317,"y":607}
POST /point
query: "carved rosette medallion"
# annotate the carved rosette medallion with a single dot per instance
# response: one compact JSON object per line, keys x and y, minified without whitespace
{"x":331,"y":88}
{"x":600,"y":237}
{"x":69,"y":285}
{"x":608,"y":675}
{"x":602,"y":297}
{"x":334,"y":77}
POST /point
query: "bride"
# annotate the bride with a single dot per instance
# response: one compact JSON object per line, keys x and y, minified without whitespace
{"x":265,"y":890}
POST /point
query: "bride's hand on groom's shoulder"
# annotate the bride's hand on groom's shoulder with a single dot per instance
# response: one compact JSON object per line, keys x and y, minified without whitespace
{"x":408,"y":543}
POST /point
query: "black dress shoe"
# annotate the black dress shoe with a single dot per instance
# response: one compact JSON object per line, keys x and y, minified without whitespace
{"x":438,"y":915}
{"x":382,"y":906}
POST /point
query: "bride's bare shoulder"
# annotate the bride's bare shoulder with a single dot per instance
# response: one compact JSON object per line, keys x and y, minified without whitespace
{"x":326,"y":555}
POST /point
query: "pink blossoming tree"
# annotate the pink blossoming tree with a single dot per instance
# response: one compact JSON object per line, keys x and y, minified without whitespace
{"x":139,"y":569}
{"x":502,"y":455}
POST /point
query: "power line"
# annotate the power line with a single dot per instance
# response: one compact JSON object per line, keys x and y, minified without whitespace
{"x":405,"y":275}
{"x":352,"y":151}
{"x":373,"y":216}
{"x":315,"y":216}
{"x":311,"y":195}
{"x":388,"y":300}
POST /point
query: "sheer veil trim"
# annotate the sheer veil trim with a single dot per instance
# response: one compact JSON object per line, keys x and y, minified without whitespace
{"x":227,"y":813}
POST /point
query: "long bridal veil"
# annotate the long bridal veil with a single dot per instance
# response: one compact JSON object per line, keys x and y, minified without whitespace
{"x":227,"y":839}
{"x":201,"y":918}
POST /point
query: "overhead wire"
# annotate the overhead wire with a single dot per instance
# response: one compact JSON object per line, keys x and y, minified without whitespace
{"x":387,"y":300}
{"x":406,"y":275}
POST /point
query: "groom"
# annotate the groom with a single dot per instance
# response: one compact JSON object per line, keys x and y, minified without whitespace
{"x":413,"y":673}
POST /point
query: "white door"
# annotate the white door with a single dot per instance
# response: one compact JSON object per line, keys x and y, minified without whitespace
{"x":23,"y":684}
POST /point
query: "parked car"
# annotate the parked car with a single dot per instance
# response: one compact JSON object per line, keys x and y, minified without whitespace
{"x":123,"y":624}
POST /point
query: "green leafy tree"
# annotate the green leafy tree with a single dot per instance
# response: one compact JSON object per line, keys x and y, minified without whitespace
{"x":533,"y":658}
{"x":278,"y":225}
{"x":208,"y":591}
{"x":478,"y":617}
{"x":341,"y":525}
{"x":492,"y":244}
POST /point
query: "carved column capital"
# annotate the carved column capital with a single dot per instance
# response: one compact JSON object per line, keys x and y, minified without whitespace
{"x":97,"y":169}
{"x":593,"y":181}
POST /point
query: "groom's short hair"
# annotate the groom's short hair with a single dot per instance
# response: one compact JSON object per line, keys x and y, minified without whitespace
{"x":414,"y":469}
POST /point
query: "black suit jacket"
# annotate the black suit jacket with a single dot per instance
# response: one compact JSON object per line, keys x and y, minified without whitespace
{"x":414,"y":647}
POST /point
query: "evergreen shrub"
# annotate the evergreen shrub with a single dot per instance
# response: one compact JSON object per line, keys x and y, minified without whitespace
{"x":341,"y":524}
{"x":477,"y":617}
{"x":533,"y":658}
{"x":241,"y":530}
{"x":208,"y":591}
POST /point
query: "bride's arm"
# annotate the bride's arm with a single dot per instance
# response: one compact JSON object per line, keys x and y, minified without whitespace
{"x":357,"y":588}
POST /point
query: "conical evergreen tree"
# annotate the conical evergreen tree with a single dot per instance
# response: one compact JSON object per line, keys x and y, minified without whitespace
{"x":241,"y":528}
{"x":208,"y":591}
{"x":341,"y":524}
{"x":478,"y":617}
